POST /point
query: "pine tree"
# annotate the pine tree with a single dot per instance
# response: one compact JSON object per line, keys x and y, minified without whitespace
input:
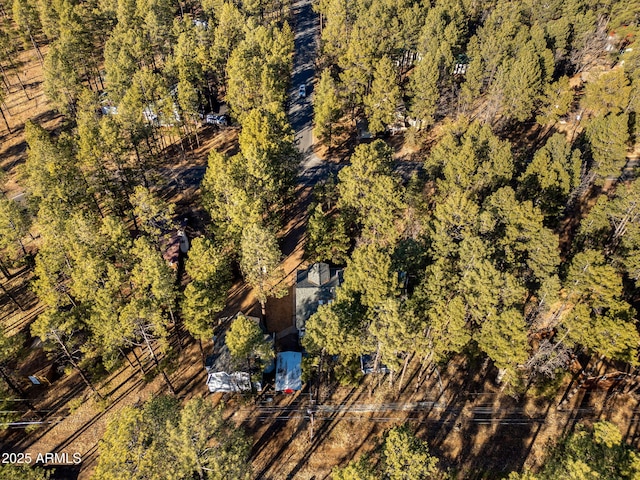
{"x":552,"y":175}
{"x":59,"y":330}
{"x":205,"y":445}
{"x":245,"y":340}
{"x":10,"y":347}
{"x":14,"y":225}
{"x":613,"y":222}
{"x":406,"y":456}
{"x":206,"y":294}
{"x":153,"y":215}
{"x":599,"y":452}
{"x":491,"y":51}
{"x":382,"y":101}
{"x":338,"y":329}
{"x":128,"y":450}
{"x":424,"y":89}
{"x":156,"y":18}
{"x":391,"y":328}
{"x":518,"y":84}
{"x":24,"y":472}
{"x":337,"y":19}
{"x":452,"y":221}
{"x":165,"y":440}
{"x":443,"y":319}
{"x":504,"y":340}
{"x":523,"y":246}
{"x":327,"y":238}
{"x":470,"y":157}
{"x":327,"y":107}
{"x":109,"y":335}
{"x":370,"y":273}
{"x":258,"y":70}
{"x":153,"y":296}
{"x":260,"y":263}
{"x":51,"y":173}
{"x":556,"y":101}
{"x":599,"y":318}
{"x":226,"y":198}
{"x":26,"y":18}
{"x":360,"y":469}
{"x":608,"y":137}
{"x":271,"y":159}
{"x":609,"y":94}
{"x":368,"y":188}
{"x":125,"y":52}
{"x":228,"y":34}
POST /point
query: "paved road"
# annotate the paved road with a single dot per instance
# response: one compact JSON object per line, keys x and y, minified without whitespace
{"x":312,"y":168}
{"x":307,"y":31}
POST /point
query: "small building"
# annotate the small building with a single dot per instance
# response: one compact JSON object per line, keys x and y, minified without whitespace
{"x":289,"y":372}
{"x":461,"y":65}
{"x":226,"y":374}
{"x":315,"y":286}
{"x":460,"y":68}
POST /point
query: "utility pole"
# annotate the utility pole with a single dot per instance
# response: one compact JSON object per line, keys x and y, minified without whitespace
{"x":310,"y":412}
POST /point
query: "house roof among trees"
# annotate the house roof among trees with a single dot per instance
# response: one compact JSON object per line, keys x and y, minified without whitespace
{"x":221,"y":360}
{"x":314,"y":287}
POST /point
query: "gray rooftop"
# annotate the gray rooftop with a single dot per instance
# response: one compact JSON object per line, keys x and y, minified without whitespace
{"x":315,"y":286}
{"x":220,"y":360}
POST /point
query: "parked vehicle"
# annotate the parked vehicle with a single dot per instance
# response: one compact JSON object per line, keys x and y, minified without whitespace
{"x":219,"y":120}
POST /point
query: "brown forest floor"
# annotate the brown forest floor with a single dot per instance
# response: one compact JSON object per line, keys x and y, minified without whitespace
{"x":477,"y":430}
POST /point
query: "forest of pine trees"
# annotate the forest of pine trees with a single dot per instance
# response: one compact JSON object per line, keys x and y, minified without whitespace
{"x":492,"y":260}
{"x":518,"y":231}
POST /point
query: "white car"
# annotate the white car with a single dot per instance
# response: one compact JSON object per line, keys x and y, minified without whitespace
{"x":302,"y":91}
{"x":219,"y":120}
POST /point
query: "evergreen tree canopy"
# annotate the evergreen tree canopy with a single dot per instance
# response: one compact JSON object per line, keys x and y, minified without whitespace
{"x":369,"y":189}
{"x":206,"y":295}
{"x":260,"y":263}
{"x":258,"y":69}
{"x":163,"y":439}
{"x":404,"y":457}
{"x":592,"y":453}
{"x":245,"y":339}
{"x":470,"y":158}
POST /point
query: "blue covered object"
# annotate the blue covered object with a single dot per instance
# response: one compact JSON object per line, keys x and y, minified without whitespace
{"x":288,"y":372}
